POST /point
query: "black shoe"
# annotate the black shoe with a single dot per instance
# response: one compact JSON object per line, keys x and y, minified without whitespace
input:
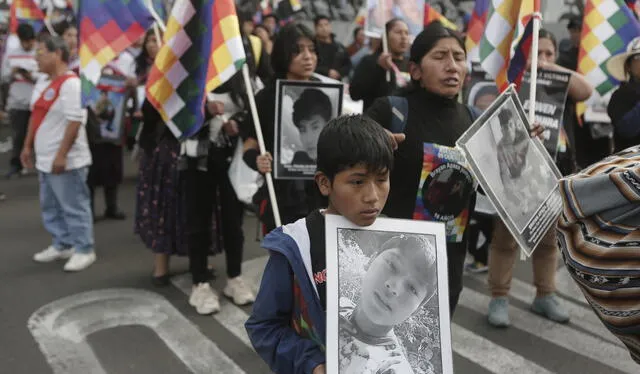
{"x":161,"y":281}
{"x":115,"y":215}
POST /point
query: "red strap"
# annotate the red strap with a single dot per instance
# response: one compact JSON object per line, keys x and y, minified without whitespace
{"x":45,"y":101}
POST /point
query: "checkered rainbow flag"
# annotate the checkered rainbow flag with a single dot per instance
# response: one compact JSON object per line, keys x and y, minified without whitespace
{"x":608,"y":26}
{"x":431,"y":15}
{"x":202,"y":49}
{"x":25,"y":11}
{"x":107,"y":28}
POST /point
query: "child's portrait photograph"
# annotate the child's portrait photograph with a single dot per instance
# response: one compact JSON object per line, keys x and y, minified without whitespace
{"x":387,"y":298}
{"x":302,"y":111}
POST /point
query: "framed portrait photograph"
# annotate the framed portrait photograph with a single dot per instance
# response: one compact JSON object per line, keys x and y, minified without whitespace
{"x":387,"y":297}
{"x":515,"y":171}
{"x":302,"y":111}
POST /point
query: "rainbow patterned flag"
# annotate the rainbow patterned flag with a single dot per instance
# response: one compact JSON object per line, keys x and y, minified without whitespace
{"x":25,"y":11}
{"x":505,"y":25}
{"x":107,"y":28}
{"x":295,"y":5}
{"x":518,"y":65}
{"x":444,"y":190}
{"x":431,"y":15}
{"x":608,"y":26}
{"x":361,"y":17}
{"x":202,"y":49}
{"x":475,"y":29}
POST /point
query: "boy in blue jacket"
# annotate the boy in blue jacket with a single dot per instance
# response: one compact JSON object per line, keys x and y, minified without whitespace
{"x":288,"y":323}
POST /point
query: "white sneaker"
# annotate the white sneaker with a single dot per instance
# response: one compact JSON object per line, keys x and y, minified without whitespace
{"x":51,"y":254}
{"x":238,"y":291}
{"x":80,"y":261}
{"x":204,"y":299}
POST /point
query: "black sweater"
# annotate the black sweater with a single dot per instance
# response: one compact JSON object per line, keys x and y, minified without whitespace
{"x":369,"y":80}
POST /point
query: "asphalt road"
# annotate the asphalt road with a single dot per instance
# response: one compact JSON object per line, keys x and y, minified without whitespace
{"x":110,"y":319}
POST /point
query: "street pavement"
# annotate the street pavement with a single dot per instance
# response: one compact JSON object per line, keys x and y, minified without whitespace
{"x":110,"y":319}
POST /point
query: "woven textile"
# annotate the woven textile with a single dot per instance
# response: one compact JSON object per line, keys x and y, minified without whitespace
{"x":599,"y":236}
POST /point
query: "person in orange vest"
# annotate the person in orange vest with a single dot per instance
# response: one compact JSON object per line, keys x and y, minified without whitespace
{"x":57,"y":138}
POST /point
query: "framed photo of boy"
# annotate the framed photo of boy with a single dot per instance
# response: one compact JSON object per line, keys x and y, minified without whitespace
{"x":515,"y":171}
{"x":302,"y":111}
{"x":387,"y":297}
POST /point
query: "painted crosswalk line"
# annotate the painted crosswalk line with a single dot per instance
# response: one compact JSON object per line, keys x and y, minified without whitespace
{"x":60,"y":328}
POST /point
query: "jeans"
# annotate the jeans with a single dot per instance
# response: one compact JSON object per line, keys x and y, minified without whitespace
{"x":66,"y":209}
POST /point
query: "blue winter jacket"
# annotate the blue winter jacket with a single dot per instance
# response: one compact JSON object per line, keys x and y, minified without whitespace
{"x":287,"y":326}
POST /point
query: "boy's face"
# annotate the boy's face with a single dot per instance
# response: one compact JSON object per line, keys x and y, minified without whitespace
{"x":395,"y":286}
{"x":356,"y":193}
{"x":310,"y":129}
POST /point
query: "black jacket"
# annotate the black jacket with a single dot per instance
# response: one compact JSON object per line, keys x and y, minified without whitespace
{"x":332,"y":56}
{"x":622,"y":102}
{"x":369,"y":80}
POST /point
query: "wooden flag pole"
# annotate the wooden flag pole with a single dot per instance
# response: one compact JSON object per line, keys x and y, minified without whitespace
{"x":537,"y":19}
{"x":385,"y":41}
{"x":263,"y":150}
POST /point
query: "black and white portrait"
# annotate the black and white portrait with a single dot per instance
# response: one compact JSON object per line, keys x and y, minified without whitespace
{"x":303,"y":109}
{"x":514,"y":170}
{"x":387,"y":292}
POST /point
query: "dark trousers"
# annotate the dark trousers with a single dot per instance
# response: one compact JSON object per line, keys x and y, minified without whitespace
{"x":483,"y":224}
{"x":456,"y":253}
{"x":110,"y":198}
{"x":20,"y":123}
{"x":203,"y":192}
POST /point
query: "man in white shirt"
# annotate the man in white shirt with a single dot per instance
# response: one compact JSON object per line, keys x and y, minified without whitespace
{"x":58,"y":137}
{"x":18,"y":72}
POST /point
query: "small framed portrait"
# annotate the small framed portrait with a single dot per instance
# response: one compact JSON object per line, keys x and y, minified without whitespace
{"x":302,"y":111}
{"x":515,"y":171}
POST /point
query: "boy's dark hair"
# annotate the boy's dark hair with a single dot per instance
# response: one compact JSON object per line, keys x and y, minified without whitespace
{"x":312,"y":101}
{"x":285,"y":47}
{"x":25,"y":32}
{"x":353,"y":140}
{"x":56,"y":43}
{"x":271,"y":15}
{"x":320,"y":18}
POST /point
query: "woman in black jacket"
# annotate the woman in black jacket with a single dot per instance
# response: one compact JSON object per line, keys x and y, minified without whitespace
{"x":369,"y":80}
{"x":293,"y":58}
{"x":438,"y":69}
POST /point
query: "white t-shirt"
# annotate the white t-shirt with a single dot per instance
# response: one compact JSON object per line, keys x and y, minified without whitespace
{"x":66,"y":108}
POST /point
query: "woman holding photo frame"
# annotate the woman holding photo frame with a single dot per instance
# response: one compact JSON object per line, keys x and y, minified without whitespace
{"x":293,"y":58}
{"x":503,"y":250}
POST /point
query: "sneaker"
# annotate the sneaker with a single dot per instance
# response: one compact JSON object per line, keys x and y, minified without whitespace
{"x":499,"y":312}
{"x":52,"y":253}
{"x":238,"y":291}
{"x":80,"y":261}
{"x":549,"y":307}
{"x":476,"y":267}
{"x":204,"y":299}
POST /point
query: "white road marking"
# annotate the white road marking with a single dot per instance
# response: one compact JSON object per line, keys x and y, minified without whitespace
{"x":61,"y":327}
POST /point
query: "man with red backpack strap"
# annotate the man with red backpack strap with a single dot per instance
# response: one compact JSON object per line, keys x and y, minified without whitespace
{"x":58,"y":138}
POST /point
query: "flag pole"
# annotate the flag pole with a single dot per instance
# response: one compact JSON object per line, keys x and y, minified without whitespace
{"x":256,"y":124}
{"x":537,"y":19}
{"x":385,"y":41}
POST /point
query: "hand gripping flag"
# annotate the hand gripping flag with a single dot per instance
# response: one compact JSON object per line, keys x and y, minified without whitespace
{"x":202,"y":49}
{"x":25,"y":11}
{"x":107,"y":27}
{"x":431,"y":15}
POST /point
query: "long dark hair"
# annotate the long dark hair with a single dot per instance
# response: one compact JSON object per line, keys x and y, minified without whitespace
{"x":143,"y":61}
{"x":387,"y":29}
{"x":545,"y":34}
{"x":285,"y":47}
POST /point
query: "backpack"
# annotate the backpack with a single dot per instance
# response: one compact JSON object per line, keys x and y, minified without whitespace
{"x":400,"y":113}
